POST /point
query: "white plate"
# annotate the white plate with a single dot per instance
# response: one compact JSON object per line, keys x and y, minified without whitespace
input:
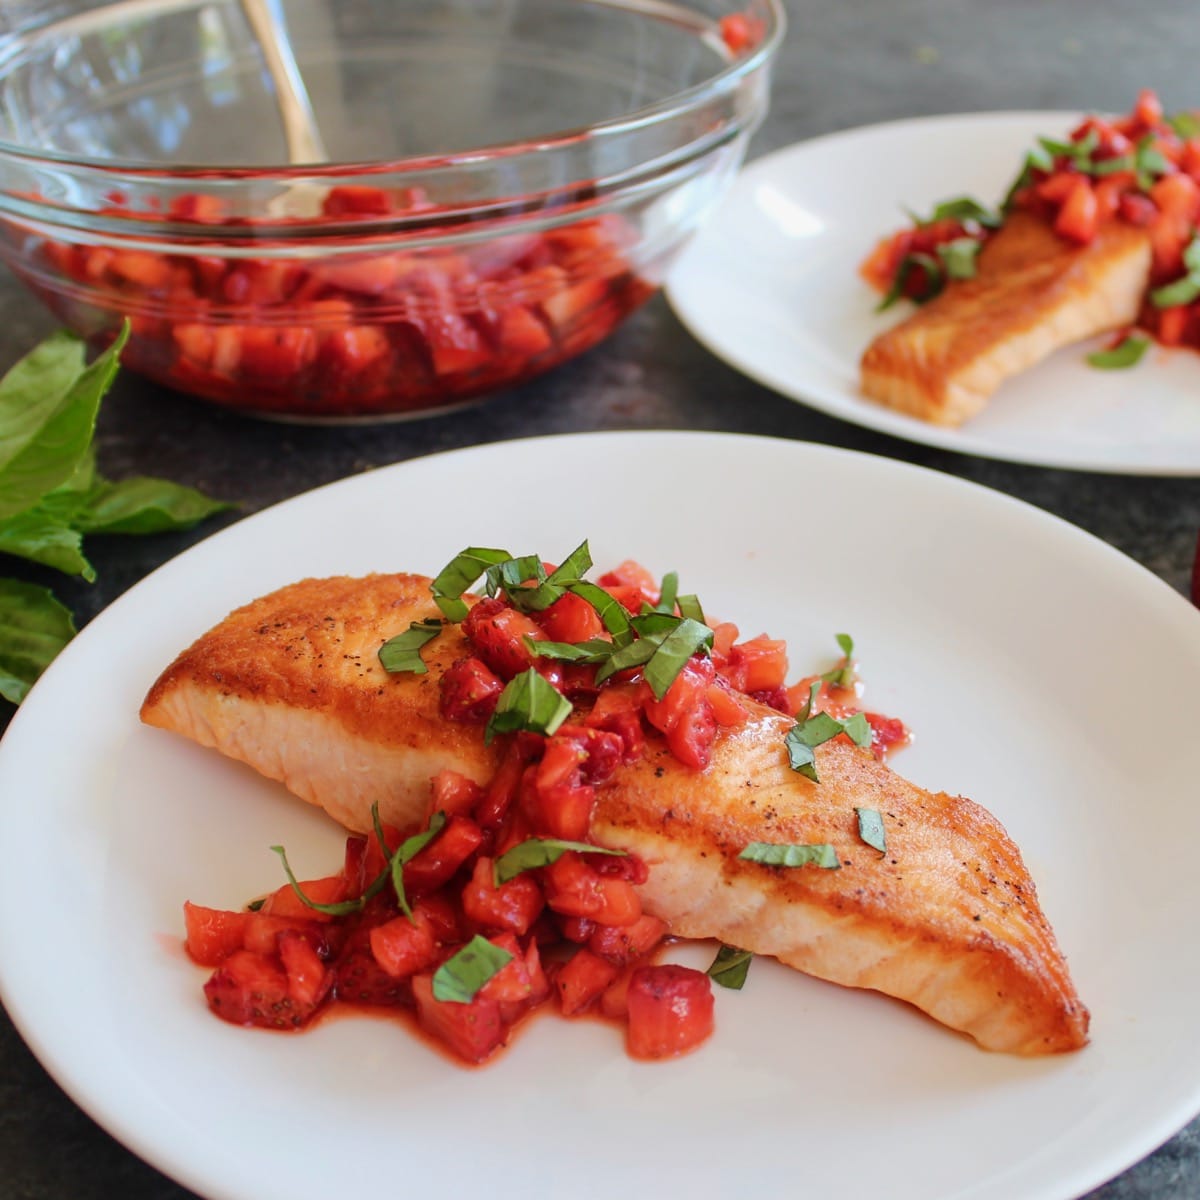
{"x":771,"y":285}
{"x":1045,"y":675}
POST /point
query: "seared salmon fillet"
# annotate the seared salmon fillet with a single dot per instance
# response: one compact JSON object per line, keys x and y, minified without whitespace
{"x":947,"y":919}
{"x":291,"y":685}
{"x":1033,"y":293}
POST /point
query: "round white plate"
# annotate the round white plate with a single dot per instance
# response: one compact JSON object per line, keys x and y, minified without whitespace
{"x":1045,"y":675}
{"x":771,"y":285}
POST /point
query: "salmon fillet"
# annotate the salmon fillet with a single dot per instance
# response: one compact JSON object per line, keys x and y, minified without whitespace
{"x":947,"y":920}
{"x":1033,"y":293}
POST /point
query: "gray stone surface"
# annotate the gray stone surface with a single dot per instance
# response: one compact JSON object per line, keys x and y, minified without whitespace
{"x":846,"y":62}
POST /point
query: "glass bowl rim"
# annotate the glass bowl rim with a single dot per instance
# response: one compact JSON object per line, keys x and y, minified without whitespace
{"x":328,"y":173}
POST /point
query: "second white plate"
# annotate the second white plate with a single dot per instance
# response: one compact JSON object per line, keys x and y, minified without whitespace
{"x":771,"y":285}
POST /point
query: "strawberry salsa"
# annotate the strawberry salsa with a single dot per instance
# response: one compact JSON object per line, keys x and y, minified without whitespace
{"x":1142,"y":168}
{"x":500,"y":902}
{"x":363,"y":331}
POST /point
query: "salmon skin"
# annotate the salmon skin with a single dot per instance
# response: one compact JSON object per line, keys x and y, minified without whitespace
{"x":1032,"y":293}
{"x":947,"y":919}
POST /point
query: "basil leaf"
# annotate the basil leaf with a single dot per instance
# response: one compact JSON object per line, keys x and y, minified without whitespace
{"x":550,"y":588}
{"x":1038,"y":159}
{"x":42,"y":538}
{"x":958,"y":257}
{"x":512,"y":573}
{"x":776,"y":854}
{"x":594,"y":650}
{"x":1127,"y":353}
{"x":574,"y":567}
{"x":1112,"y":166}
{"x":614,"y":616}
{"x":459,"y":979}
{"x":810,"y":732}
{"x":858,"y":729}
{"x":34,"y":388}
{"x":842,"y":676}
{"x":964,"y":208}
{"x":458,"y":575}
{"x":934,"y":280}
{"x":668,"y":593}
{"x":870,"y":828}
{"x":406,"y":852}
{"x":806,"y":711}
{"x":340,"y":909}
{"x":689,"y":607}
{"x":635,"y":654}
{"x":1182,"y":291}
{"x":1149,"y":162}
{"x":528,"y":702}
{"x":1078,"y":152}
{"x":37,"y":461}
{"x":540,"y":852}
{"x":1185,"y":124}
{"x":730,"y":967}
{"x":34,"y":627}
{"x":1191,"y":256}
{"x":403,"y":652}
{"x":677,"y":647}
{"x":144,"y":505}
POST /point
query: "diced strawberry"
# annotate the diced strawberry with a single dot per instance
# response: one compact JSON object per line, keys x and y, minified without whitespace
{"x":574,"y":889}
{"x":469,"y":691}
{"x":757,"y":665}
{"x":512,"y":907}
{"x":453,"y":793}
{"x":309,"y":980}
{"x":623,"y":945}
{"x":670,"y":1010}
{"x":630,"y":574}
{"x":284,"y":902}
{"x":403,"y":947}
{"x":438,"y":862}
{"x":581,"y":980}
{"x":359,"y":979}
{"x":472,"y":1031}
{"x":262,"y":930}
{"x":497,"y":632}
{"x":511,"y":984}
{"x":212,"y":935}
{"x":887,"y":733}
{"x":252,"y":989}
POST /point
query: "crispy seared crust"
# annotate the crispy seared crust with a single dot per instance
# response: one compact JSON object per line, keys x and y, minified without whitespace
{"x":291,"y":684}
{"x":1032,"y":294}
{"x":948,"y":920}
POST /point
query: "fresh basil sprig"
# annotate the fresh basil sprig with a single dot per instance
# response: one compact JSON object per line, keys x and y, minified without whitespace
{"x":782,"y":854}
{"x":843,"y":676}
{"x":460,"y":978}
{"x":540,"y":852}
{"x":1127,"y":353}
{"x":870,"y":828}
{"x":730,"y":967}
{"x":529,"y":702}
{"x":805,"y":736}
{"x":1186,"y":288}
{"x":51,"y":494}
{"x":403,"y":652}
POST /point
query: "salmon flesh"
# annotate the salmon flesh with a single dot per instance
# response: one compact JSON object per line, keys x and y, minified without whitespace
{"x":1032,"y":293}
{"x":947,"y":920}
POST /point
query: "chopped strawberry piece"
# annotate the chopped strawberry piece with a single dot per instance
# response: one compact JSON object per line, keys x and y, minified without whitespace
{"x":472,"y":1031}
{"x":212,"y":935}
{"x":309,"y":981}
{"x":252,"y":989}
{"x":670,"y":1010}
{"x":511,"y":907}
{"x":453,"y":793}
{"x":581,"y":980}
{"x":439,"y":861}
{"x":469,"y":691}
{"x":403,"y":947}
{"x":623,"y":945}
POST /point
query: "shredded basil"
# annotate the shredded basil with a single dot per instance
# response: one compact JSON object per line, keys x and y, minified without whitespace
{"x":529,"y":702}
{"x":340,"y":909}
{"x":673,"y":652}
{"x":844,"y":675}
{"x":612,"y":613}
{"x":806,"y":709}
{"x":934,"y":280}
{"x":459,"y":979}
{"x":689,"y":606}
{"x":407,"y":851}
{"x":730,"y":967}
{"x":964,"y":208}
{"x":403,"y":652}
{"x":780,"y":854}
{"x":1149,"y":162}
{"x":540,"y":852}
{"x":594,"y":650}
{"x":1185,"y":124}
{"x":458,"y":575}
{"x":806,"y":735}
{"x":958,"y":257}
{"x":1127,"y":353}
{"x":870,"y":828}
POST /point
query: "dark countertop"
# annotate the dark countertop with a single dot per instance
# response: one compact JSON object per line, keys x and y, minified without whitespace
{"x":844,"y":64}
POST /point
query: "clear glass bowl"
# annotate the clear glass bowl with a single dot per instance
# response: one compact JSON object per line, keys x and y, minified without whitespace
{"x":506,"y":180}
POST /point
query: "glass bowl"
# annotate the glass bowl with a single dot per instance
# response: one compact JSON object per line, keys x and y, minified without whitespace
{"x":504,"y":181}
